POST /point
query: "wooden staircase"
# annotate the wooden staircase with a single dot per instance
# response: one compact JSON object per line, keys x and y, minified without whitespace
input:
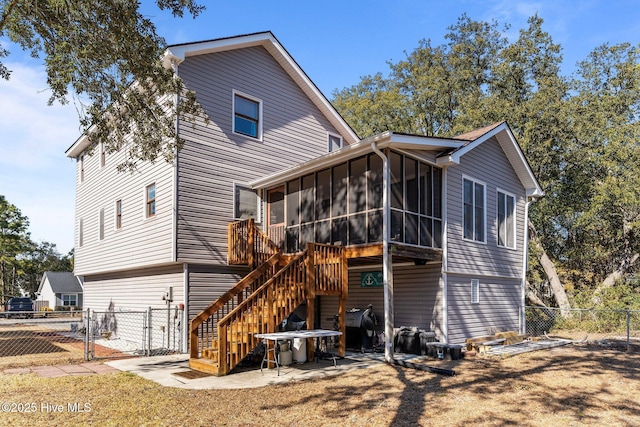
{"x":224,"y":333}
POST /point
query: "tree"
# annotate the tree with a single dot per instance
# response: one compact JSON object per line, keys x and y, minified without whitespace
{"x":13,"y":240}
{"x":107,"y":56}
{"x":34,"y":261}
{"x":580,"y":135}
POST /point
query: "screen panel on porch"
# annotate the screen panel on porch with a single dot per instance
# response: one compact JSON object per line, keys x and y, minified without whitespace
{"x":343,"y":204}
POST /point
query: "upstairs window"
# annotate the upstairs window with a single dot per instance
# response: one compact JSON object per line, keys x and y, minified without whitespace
{"x":335,"y":142}
{"x":247,"y":115}
{"x":506,"y":220}
{"x":118,"y":214}
{"x":474,"y":210}
{"x":103,"y":155}
{"x":150,"y":201}
{"x":80,"y":232}
{"x":101,"y":225}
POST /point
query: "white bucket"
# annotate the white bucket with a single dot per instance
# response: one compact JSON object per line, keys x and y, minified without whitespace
{"x":285,"y":358}
{"x":300,"y":350}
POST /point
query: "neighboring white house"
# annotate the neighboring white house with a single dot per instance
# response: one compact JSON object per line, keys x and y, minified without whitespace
{"x":59,"y":289}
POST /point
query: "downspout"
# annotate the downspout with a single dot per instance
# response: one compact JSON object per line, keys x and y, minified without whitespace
{"x":185,"y":266}
{"x":174,"y":248}
{"x":445,"y":266}
{"x":525,"y":266}
{"x":387,"y":265}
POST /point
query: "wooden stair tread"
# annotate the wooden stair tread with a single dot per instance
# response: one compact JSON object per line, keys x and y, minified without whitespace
{"x":204,"y":365}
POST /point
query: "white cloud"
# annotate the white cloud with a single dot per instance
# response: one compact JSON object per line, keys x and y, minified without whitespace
{"x":35,"y":175}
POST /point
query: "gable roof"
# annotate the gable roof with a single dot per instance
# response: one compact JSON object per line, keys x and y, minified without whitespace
{"x":177,"y":53}
{"x":502,"y":132}
{"x":61,"y":282}
{"x":452,"y":149}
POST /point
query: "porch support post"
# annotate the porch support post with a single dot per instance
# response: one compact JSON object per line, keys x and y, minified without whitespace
{"x":311,"y":295}
{"x":387,"y":264}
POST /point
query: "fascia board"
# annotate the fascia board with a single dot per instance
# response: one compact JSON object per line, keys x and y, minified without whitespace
{"x":80,"y":145}
{"x":382,"y":141}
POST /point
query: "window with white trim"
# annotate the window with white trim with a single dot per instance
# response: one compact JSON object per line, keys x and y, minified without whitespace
{"x":247,"y":115}
{"x":103,"y":155}
{"x":475,"y":291}
{"x":118,"y":214}
{"x":506,"y":220}
{"x":474,"y":210}
{"x":334,"y":142}
{"x":101,"y":224}
{"x":80,"y":232}
{"x":150,"y":200}
{"x":69,"y":299}
{"x":245,"y":203}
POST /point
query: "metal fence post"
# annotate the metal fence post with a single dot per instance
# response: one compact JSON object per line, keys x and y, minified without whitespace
{"x":628,"y":329}
{"x":149,"y":331}
{"x":87,"y":327}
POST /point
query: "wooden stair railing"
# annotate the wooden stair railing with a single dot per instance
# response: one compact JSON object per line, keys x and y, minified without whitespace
{"x":248,"y":245}
{"x":203,"y":327}
{"x":262,"y":312}
{"x":224,"y":333}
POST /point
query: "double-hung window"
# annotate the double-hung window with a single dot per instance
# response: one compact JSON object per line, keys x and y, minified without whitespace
{"x":247,"y":115}
{"x":474,"y":210}
{"x":506,"y":220}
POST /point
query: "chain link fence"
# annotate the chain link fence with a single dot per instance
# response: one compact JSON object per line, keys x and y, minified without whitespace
{"x":152,"y":332}
{"x":40,"y":338}
{"x":33,"y":338}
{"x":620,"y":325}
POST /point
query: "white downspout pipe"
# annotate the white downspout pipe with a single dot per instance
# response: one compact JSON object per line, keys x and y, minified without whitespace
{"x":525,"y":265}
{"x":387,"y":265}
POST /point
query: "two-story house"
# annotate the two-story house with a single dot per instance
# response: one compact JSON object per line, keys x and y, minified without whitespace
{"x":277,"y":203}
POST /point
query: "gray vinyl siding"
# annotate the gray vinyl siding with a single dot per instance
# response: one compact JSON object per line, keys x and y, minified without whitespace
{"x":487,"y":164}
{"x":214,"y":157}
{"x":141,"y":241}
{"x":417,"y":298}
{"x":497,"y":309}
{"x":208,"y":283}
{"x":134,"y":290}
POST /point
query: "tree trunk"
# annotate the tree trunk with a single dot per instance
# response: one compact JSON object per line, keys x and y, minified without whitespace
{"x":613,"y":277}
{"x":533,"y":298}
{"x":550,"y":271}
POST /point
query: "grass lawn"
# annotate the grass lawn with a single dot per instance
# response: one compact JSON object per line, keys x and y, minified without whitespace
{"x":566,"y":386}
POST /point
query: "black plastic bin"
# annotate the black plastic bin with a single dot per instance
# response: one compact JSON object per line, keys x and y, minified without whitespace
{"x":455,"y":351}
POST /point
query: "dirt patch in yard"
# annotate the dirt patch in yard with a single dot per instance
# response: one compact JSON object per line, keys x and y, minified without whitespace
{"x":30,"y":345}
{"x":582,"y":384}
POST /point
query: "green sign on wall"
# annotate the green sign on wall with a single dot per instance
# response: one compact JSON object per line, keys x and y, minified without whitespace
{"x":371,"y":279}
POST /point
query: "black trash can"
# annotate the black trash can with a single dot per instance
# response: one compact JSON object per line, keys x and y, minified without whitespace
{"x":455,"y":351}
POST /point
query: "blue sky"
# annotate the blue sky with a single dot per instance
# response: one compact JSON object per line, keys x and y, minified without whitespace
{"x":335,"y":43}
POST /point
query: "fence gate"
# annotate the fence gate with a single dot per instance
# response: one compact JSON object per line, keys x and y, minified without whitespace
{"x":113,"y":334}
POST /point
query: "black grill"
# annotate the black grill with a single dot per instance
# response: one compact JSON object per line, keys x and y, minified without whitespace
{"x":357,"y":324}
